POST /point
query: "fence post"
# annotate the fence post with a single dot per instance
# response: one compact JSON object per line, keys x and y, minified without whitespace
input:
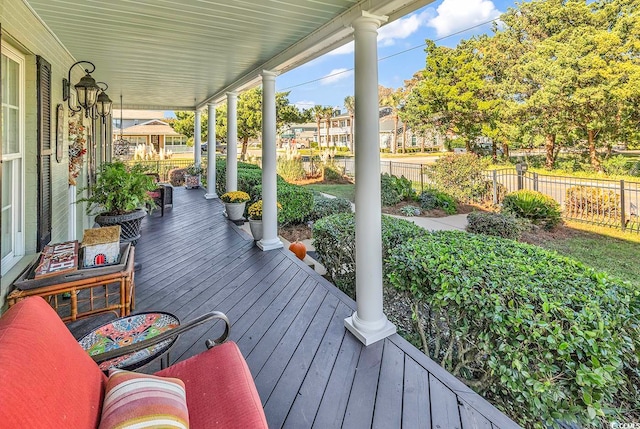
{"x":535,"y":181}
{"x":521,"y":169}
{"x":390,"y":168}
{"x":623,"y":215}
{"x":421,"y":178}
{"x":495,"y":187}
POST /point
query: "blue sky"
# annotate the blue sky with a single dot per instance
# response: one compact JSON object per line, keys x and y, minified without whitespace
{"x":436,"y":21}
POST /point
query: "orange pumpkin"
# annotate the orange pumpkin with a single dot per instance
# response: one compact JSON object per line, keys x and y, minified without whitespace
{"x":299,"y":249}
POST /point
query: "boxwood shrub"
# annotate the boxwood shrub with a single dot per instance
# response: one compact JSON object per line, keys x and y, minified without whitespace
{"x":323,"y":207}
{"x":394,"y":189}
{"x":434,"y":199}
{"x":334,"y":239}
{"x":542,"y":336}
{"x":497,"y":224}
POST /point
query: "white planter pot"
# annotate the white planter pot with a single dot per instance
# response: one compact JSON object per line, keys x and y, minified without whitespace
{"x":256,"y":229}
{"x":235,"y":210}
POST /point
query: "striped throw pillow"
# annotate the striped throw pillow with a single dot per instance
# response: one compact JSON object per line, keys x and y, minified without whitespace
{"x":140,"y":401}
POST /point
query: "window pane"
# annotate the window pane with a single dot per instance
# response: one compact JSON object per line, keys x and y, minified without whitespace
{"x":7,"y":243}
{"x":10,"y":78}
{"x":10,"y":130}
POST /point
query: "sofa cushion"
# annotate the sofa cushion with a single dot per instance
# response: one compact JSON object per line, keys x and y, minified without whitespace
{"x":135,"y":400}
{"x":220,"y":389}
{"x":46,"y":379}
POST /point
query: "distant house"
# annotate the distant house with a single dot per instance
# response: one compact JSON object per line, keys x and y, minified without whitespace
{"x":147,"y":127}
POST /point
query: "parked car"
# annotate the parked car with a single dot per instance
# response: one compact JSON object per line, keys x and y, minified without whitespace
{"x":302,"y":145}
{"x":220,"y":147}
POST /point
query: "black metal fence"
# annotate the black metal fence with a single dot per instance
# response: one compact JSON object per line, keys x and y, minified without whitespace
{"x":604,"y":202}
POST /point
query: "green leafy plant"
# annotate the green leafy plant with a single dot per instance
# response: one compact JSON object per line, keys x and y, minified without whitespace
{"x":434,"y":199}
{"x":459,"y":175}
{"x":410,"y":211}
{"x":297,"y":204}
{"x":533,"y":205}
{"x":395,"y":189}
{"x":323,"y":207}
{"x":496,"y":224}
{"x":119,"y":189}
{"x":194,"y":170}
{"x":545,"y":337}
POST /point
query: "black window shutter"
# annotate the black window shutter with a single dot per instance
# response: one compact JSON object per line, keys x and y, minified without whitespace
{"x":44,"y":152}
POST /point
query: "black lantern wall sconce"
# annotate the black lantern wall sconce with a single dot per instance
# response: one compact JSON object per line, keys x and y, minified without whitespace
{"x":103,"y":104}
{"x":86,"y":89}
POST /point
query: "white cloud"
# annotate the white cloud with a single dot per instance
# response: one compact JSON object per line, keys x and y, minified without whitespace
{"x":403,"y":27}
{"x":456,"y":15}
{"x":336,"y":75}
{"x":397,"y":30}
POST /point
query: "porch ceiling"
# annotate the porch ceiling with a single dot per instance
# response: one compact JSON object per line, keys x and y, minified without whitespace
{"x":180,"y":54}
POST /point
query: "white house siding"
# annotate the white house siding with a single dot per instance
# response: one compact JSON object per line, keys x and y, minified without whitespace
{"x":25,"y":32}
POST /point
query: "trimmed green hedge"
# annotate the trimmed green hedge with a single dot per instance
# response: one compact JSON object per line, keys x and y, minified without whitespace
{"x":323,"y":207}
{"x":296,"y":201}
{"x":334,"y":240}
{"x":394,"y":189}
{"x":497,"y":224}
{"x":542,"y":336}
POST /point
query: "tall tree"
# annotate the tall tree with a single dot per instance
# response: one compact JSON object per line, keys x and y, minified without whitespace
{"x":350,"y":105}
{"x":394,"y":99}
{"x":452,"y":95}
{"x":317,"y":113}
{"x":328,"y":116}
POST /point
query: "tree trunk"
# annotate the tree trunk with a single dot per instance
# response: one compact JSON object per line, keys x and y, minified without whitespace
{"x":494,"y":150}
{"x":245,"y":145}
{"x":318,"y":125}
{"x":467,"y":145}
{"x":423,"y":138}
{"x":505,"y":149}
{"x":550,"y":147}
{"x":404,"y":135}
{"x":593,"y":154}
{"x":394,"y":148}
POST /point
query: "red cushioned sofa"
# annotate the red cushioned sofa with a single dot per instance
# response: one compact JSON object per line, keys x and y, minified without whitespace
{"x":48,"y":381}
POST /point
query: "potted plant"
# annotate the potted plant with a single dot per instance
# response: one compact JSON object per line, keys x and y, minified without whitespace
{"x":192,"y":176}
{"x":255,"y":219}
{"x":119,"y":196}
{"x":234,"y":203}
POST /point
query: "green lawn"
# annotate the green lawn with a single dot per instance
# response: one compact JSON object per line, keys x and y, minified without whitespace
{"x":344,"y":191}
{"x":605,"y":249}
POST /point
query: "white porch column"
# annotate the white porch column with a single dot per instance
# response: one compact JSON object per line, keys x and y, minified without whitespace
{"x":197,"y":133}
{"x":270,"y":238}
{"x":232,"y":141}
{"x":211,"y":154}
{"x":368,"y":323}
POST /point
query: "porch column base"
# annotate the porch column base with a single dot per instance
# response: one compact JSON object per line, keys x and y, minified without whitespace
{"x":265,"y":245}
{"x":367,"y":332}
{"x":211,"y":196}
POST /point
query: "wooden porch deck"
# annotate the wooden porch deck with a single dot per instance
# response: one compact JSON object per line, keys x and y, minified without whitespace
{"x":288,"y":321}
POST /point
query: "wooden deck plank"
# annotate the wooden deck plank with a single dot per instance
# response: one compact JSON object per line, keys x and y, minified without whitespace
{"x":289,"y":325}
{"x":280,"y":342}
{"x":471,"y":419}
{"x":416,"y":405}
{"x":306,"y":403}
{"x":359,"y":413}
{"x":336,"y":395}
{"x":388,"y":409}
{"x":444,"y":406}
{"x":288,"y":383}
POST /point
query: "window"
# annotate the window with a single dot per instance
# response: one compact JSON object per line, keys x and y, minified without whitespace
{"x":13,"y":117}
{"x":136,"y":140}
{"x":175,"y":140}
